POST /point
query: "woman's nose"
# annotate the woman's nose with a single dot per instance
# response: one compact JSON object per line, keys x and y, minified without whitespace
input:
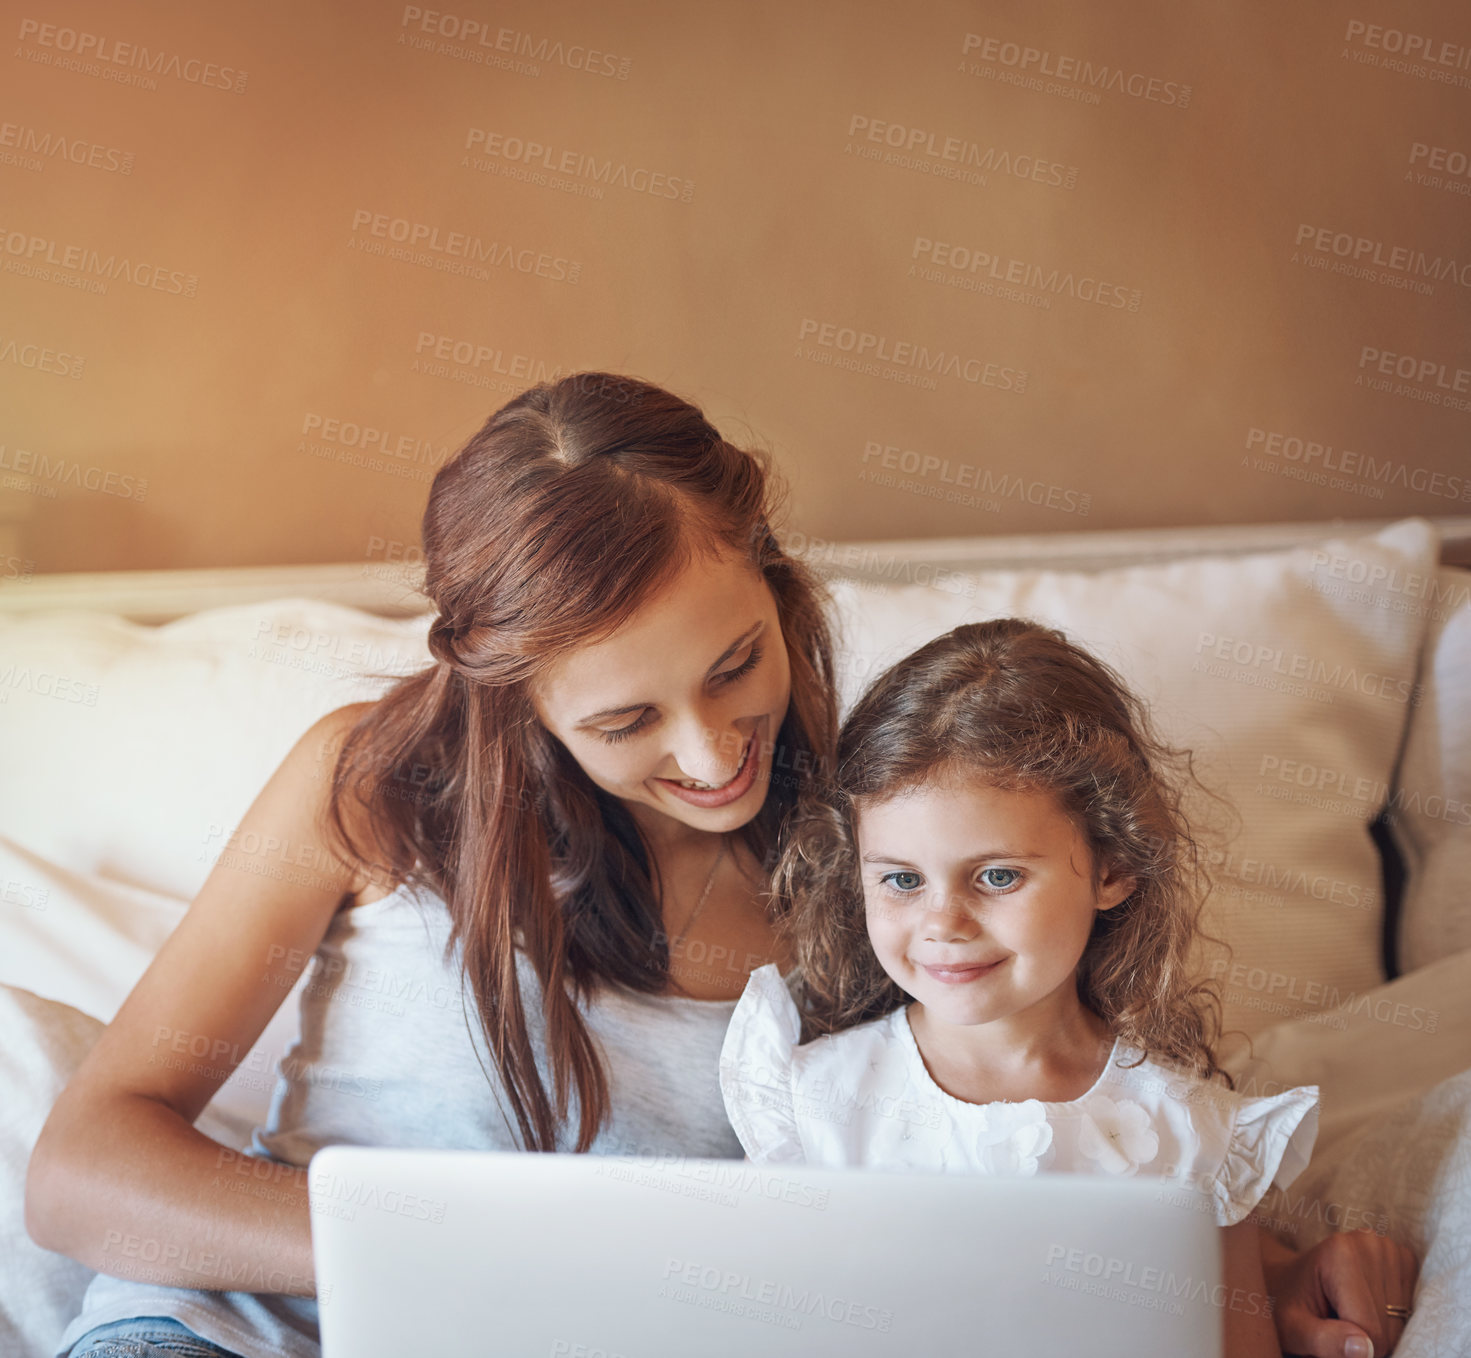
{"x":710,"y":753}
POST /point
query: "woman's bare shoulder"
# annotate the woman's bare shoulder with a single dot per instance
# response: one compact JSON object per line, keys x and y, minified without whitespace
{"x":358,"y":780}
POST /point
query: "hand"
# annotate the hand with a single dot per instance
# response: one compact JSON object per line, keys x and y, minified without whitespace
{"x":1331,"y":1299}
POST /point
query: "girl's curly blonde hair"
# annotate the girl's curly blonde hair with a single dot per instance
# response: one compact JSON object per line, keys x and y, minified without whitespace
{"x":1018,"y":706}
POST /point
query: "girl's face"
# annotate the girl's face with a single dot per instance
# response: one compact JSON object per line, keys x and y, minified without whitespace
{"x":691,"y":691}
{"x":979,"y":901}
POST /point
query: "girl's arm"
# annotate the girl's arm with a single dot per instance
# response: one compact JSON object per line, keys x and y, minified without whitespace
{"x":120,"y":1180}
{"x":1249,"y":1331}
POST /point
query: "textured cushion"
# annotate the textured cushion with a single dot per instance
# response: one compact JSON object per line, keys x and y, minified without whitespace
{"x":41,"y":1043}
{"x":1407,"y":1174}
{"x":1292,"y":689}
{"x":1368,"y":1055}
{"x":132,"y":752}
{"x":1431,"y":804}
{"x":84,"y":941}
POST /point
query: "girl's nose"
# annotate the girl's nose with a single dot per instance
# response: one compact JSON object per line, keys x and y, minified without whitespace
{"x":948,"y":920}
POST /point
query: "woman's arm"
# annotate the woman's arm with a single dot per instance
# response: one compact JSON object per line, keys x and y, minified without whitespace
{"x":1331,"y":1298}
{"x":120,"y":1180}
{"x":1248,"y":1328}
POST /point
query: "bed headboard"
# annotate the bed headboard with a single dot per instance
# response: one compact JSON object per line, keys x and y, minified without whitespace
{"x":391,"y":589}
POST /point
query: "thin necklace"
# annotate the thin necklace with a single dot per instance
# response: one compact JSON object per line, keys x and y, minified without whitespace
{"x":704,"y":896}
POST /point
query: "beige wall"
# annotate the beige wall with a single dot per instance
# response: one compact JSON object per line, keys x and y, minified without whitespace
{"x":200,"y":311}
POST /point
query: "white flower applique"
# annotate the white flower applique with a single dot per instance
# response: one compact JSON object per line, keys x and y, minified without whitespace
{"x":1117,"y":1134}
{"x":1014,"y":1144}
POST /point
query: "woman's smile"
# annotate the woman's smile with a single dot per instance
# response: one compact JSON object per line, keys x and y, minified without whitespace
{"x":706,"y":795}
{"x":677,"y":712}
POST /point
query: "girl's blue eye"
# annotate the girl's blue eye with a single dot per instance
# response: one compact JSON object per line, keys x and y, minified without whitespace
{"x":902,"y":882}
{"x":1000,"y":879}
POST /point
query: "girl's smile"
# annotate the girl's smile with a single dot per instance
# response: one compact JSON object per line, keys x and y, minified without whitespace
{"x":960,"y":973}
{"x":979,"y":903}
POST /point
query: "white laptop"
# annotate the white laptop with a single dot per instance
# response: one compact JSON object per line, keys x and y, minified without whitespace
{"x":581,"y":1256}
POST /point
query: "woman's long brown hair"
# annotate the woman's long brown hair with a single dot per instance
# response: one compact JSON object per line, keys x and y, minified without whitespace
{"x":575,"y":504}
{"x":1013,"y":704}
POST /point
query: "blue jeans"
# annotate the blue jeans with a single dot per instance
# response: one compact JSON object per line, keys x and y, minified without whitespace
{"x":146,"y":1337}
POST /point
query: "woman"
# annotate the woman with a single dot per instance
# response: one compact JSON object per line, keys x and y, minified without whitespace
{"x":555,"y":841}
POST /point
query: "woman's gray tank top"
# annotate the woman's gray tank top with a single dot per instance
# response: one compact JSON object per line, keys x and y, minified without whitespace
{"x":391,"y":1054}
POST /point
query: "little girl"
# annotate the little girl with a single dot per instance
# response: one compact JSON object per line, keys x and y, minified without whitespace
{"x":993,"y":909}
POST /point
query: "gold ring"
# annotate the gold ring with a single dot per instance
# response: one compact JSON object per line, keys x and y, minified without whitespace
{"x":1398,"y":1312}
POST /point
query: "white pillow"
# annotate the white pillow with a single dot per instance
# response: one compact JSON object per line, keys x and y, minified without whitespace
{"x":1431,"y":805}
{"x":132,"y":752}
{"x":1385,"y":1045}
{"x":84,"y":942}
{"x":41,"y":1044}
{"x":1407,"y":1175}
{"x":1294,"y":692}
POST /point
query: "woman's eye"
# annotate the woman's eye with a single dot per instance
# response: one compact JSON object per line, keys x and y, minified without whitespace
{"x":623,"y":732}
{"x":902,"y":882}
{"x":1000,"y":879}
{"x":744,"y":668}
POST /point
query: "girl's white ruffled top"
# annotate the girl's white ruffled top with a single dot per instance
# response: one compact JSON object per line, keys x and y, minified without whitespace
{"x":864,"y":1097}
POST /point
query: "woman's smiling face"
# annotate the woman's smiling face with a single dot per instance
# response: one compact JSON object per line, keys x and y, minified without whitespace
{"x":677,"y":712}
